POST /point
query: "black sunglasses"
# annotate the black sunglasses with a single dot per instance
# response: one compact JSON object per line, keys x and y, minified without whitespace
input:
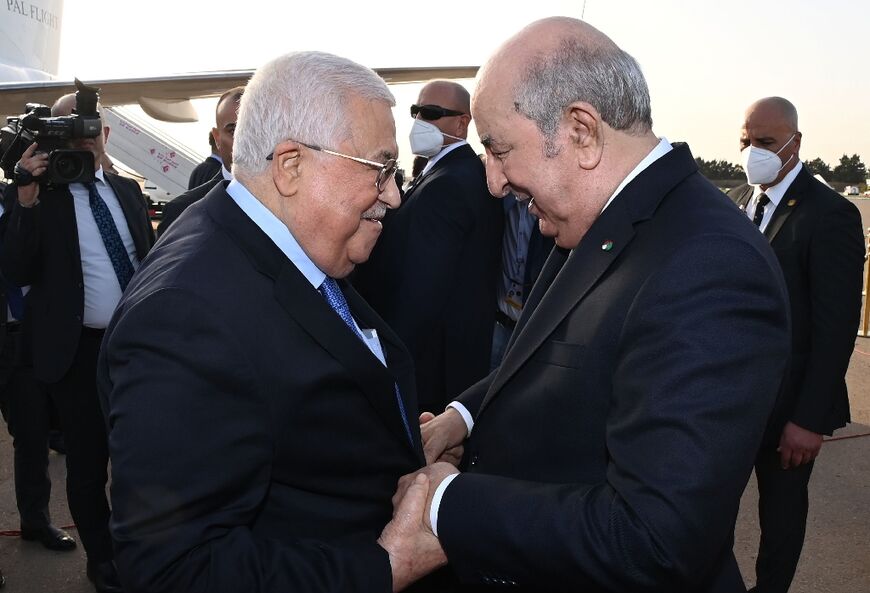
{"x":432,"y":112}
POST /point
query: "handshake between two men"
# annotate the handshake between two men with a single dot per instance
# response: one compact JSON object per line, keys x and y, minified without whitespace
{"x":410,"y":538}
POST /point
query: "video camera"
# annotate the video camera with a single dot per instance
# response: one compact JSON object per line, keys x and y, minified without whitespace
{"x":53,"y":134}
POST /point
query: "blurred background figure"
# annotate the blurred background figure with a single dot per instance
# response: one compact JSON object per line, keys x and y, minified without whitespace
{"x":210,"y":167}
{"x":433,"y":274}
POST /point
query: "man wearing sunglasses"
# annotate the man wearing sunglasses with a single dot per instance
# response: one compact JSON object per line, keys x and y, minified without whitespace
{"x":260,"y":413}
{"x":433,"y":275}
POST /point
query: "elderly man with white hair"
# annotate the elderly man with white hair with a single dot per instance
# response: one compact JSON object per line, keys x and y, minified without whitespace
{"x":259,"y":412}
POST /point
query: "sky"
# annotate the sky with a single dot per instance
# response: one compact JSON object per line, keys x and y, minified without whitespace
{"x":705,"y":60}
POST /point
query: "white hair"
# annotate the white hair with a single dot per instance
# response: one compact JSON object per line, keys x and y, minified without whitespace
{"x":301,"y":96}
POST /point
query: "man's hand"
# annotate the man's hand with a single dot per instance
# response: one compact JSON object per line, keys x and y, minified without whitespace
{"x":34,"y":163}
{"x":798,"y":446}
{"x":435,"y":474}
{"x":443,"y":436}
{"x":414,"y":551}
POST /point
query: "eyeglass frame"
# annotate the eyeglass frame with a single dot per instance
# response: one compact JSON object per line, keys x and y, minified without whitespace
{"x":444,"y":112}
{"x":385,"y":170}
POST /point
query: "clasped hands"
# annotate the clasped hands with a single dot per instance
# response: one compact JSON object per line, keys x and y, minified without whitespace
{"x":413,"y":548}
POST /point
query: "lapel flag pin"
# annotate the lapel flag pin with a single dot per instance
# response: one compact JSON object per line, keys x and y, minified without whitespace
{"x":792,"y":203}
{"x":607,"y":245}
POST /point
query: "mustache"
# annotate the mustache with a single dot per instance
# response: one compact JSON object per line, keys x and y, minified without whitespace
{"x":376,"y":212}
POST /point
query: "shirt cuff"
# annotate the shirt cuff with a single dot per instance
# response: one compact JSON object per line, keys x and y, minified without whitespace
{"x":466,"y":416}
{"x":436,"y":501}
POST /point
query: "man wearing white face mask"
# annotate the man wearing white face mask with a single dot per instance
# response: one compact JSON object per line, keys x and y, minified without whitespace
{"x":816,"y":234}
{"x":433,"y":274}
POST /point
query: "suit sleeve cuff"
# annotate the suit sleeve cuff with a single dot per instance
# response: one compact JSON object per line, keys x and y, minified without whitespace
{"x":466,"y":416}
{"x":436,"y":502}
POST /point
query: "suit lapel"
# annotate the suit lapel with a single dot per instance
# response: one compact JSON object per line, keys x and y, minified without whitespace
{"x":132,"y":214}
{"x":400,"y":367}
{"x":574,"y":276}
{"x":305,"y":305}
{"x":791,"y":200}
{"x":573,"y":280}
{"x":69,"y":226}
{"x":462,"y":152}
{"x":742,"y":199}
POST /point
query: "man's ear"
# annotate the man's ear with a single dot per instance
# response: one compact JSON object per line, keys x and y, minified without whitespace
{"x":286,"y":167}
{"x":797,"y":138}
{"x":464,"y":121}
{"x":585,"y":133}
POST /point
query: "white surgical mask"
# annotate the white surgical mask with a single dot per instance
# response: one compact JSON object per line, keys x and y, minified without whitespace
{"x":762,"y":165}
{"x":426,"y":139}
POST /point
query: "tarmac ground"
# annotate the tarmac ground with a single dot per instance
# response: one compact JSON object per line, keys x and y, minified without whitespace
{"x":836,"y":556}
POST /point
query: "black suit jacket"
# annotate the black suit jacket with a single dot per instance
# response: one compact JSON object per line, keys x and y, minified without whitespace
{"x":432,"y":276}
{"x":204,"y":172}
{"x":173,"y":209}
{"x":41,"y":248}
{"x":816,"y":234}
{"x":256,"y":442}
{"x":611,"y":447}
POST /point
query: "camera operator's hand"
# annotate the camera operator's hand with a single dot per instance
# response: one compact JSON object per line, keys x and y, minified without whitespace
{"x":34,"y":163}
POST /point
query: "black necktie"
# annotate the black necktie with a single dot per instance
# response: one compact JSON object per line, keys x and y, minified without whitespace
{"x":763,"y":201}
{"x":111,"y":237}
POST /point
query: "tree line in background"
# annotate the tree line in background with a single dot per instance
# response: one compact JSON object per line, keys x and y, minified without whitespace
{"x":850,"y":170}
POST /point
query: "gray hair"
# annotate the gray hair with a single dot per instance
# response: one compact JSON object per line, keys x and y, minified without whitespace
{"x":301,"y":96}
{"x":607,"y":78}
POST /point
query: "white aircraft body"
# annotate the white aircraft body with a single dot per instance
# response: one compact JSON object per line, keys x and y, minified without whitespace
{"x":29,"y":53}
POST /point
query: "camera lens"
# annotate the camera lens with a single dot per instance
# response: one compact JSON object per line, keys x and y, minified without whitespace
{"x":68,"y":167}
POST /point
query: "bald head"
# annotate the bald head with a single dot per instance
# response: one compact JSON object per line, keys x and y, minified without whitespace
{"x":453,"y":96}
{"x":450,"y":95}
{"x":64,"y":105}
{"x":557,"y":61}
{"x":775,"y":108}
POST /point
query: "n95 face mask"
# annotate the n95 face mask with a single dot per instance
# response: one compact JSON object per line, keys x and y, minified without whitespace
{"x":762,"y":165}
{"x":426,"y":139}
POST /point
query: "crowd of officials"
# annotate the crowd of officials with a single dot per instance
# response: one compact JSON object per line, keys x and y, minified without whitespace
{"x":318,"y":380}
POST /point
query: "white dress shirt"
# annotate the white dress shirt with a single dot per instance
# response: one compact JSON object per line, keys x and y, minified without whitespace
{"x":102,"y":290}
{"x":448,"y":148}
{"x":775,"y":193}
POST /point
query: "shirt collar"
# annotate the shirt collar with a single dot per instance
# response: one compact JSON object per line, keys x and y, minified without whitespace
{"x":440,"y":155}
{"x":227,"y":175}
{"x":275,"y":230}
{"x":776,"y":192}
{"x":98,"y":175}
{"x":660,"y":150}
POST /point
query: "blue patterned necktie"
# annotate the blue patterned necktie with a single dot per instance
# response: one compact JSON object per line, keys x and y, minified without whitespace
{"x":333,"y":295}
{"x":111,"y":237}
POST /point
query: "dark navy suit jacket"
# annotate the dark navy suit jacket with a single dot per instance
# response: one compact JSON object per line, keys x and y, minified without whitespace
{"x":256,"y":442}
{"x":611,"y":447}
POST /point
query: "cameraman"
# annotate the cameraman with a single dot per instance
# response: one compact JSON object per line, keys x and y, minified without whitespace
{"x":77,"y":246}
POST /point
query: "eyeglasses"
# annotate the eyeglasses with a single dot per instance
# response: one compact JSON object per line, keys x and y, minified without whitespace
{"x":432,"y":112}
{"x":386,"y":171}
